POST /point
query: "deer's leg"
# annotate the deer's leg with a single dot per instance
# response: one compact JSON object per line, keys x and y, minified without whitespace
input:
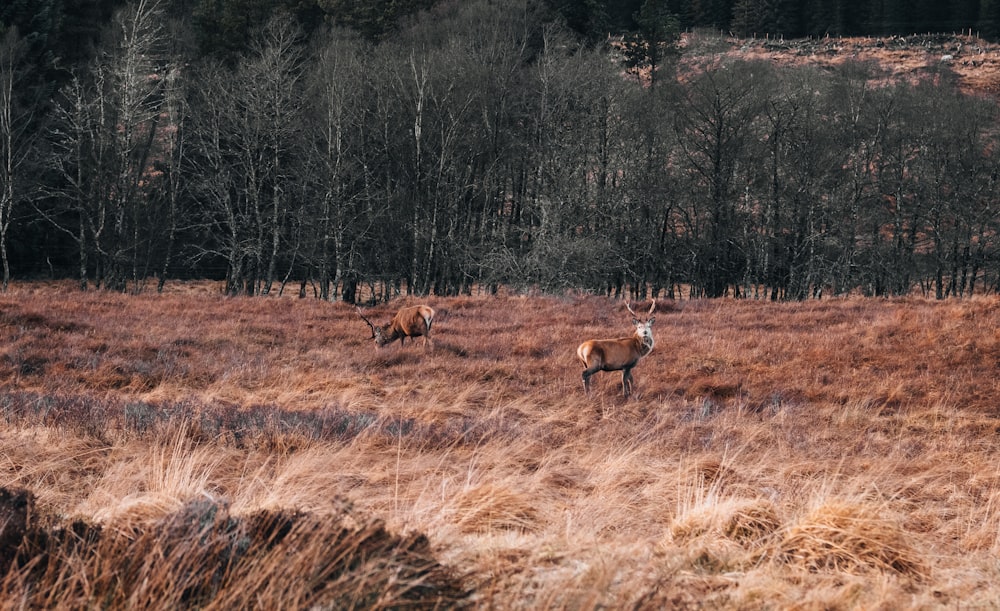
{"x":586,"y":378}
{"x":627,"y":381}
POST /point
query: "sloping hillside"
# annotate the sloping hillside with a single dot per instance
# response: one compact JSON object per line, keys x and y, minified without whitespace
{"x":974,"y":62}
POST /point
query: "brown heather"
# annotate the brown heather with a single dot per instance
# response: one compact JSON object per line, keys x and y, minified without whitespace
{"x":189,"y":450}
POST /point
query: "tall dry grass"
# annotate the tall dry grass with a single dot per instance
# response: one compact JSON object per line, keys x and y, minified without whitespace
{"x":193,"y":450}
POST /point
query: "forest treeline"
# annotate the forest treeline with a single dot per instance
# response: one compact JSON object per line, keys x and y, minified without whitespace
{"x":480,"y":143}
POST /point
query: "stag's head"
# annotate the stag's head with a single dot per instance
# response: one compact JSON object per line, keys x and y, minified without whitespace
{"x":378,"y":333}
{"x":643,"y":326}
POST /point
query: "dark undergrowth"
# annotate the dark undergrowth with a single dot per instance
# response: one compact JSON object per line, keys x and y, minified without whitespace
{"x":258,"y":426}
{"x":203,"y":557}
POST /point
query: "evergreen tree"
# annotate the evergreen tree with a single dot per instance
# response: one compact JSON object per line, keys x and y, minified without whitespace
{"x":373,"y":19}
{"x":655,"y":39}
{"x":989,"y":18}
{"x":588,"y":18}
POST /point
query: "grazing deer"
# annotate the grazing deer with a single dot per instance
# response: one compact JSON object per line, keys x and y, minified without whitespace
{"x":412,"y":321}
{"x":620,"y":354}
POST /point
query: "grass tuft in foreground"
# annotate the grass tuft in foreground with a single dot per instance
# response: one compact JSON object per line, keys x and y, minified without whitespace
{"x":202,"y":556}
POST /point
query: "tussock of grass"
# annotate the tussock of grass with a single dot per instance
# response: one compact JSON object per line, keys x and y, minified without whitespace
{"x":852,"y":538}
{"x":488,"y":507}
{"x":748,"y":522}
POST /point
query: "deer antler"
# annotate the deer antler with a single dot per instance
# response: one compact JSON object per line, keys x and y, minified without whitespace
{"x":632,"y":312}
{"x":367,"y":321}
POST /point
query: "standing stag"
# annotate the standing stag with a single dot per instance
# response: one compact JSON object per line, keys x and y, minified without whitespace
{"x":412,"y":321}
{"x":620,"y":354}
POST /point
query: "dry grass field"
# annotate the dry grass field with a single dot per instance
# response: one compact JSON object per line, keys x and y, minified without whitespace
{"x":189,"y":450}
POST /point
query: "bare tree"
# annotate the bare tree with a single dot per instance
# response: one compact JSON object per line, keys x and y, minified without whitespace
{"x":80,"y":160}
{"x":797,"y":162}
{"x":223,"y":212}
{"x":171,"y":163}
{"x":955,"y":181}
{"x":271,"y":93}
{"x":247,"y":123}
{"x":15,"y":140}
{"x":339,"y":213}
{"x":714,"y":123}
{"x":107,"y":123}
{"x":853,"y":97}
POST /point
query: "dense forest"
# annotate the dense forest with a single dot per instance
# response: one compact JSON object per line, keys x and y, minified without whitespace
{"x":430,"y":147}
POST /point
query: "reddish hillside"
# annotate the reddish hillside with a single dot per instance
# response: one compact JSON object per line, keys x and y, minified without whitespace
{"x":973,"y":61}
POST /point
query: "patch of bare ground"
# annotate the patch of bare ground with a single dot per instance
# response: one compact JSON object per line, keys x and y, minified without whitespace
{"x":823,"y":454}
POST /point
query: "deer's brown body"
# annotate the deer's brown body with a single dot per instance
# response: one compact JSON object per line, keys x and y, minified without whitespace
{"x":620,"y":354}
{"x":412,"y":321}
